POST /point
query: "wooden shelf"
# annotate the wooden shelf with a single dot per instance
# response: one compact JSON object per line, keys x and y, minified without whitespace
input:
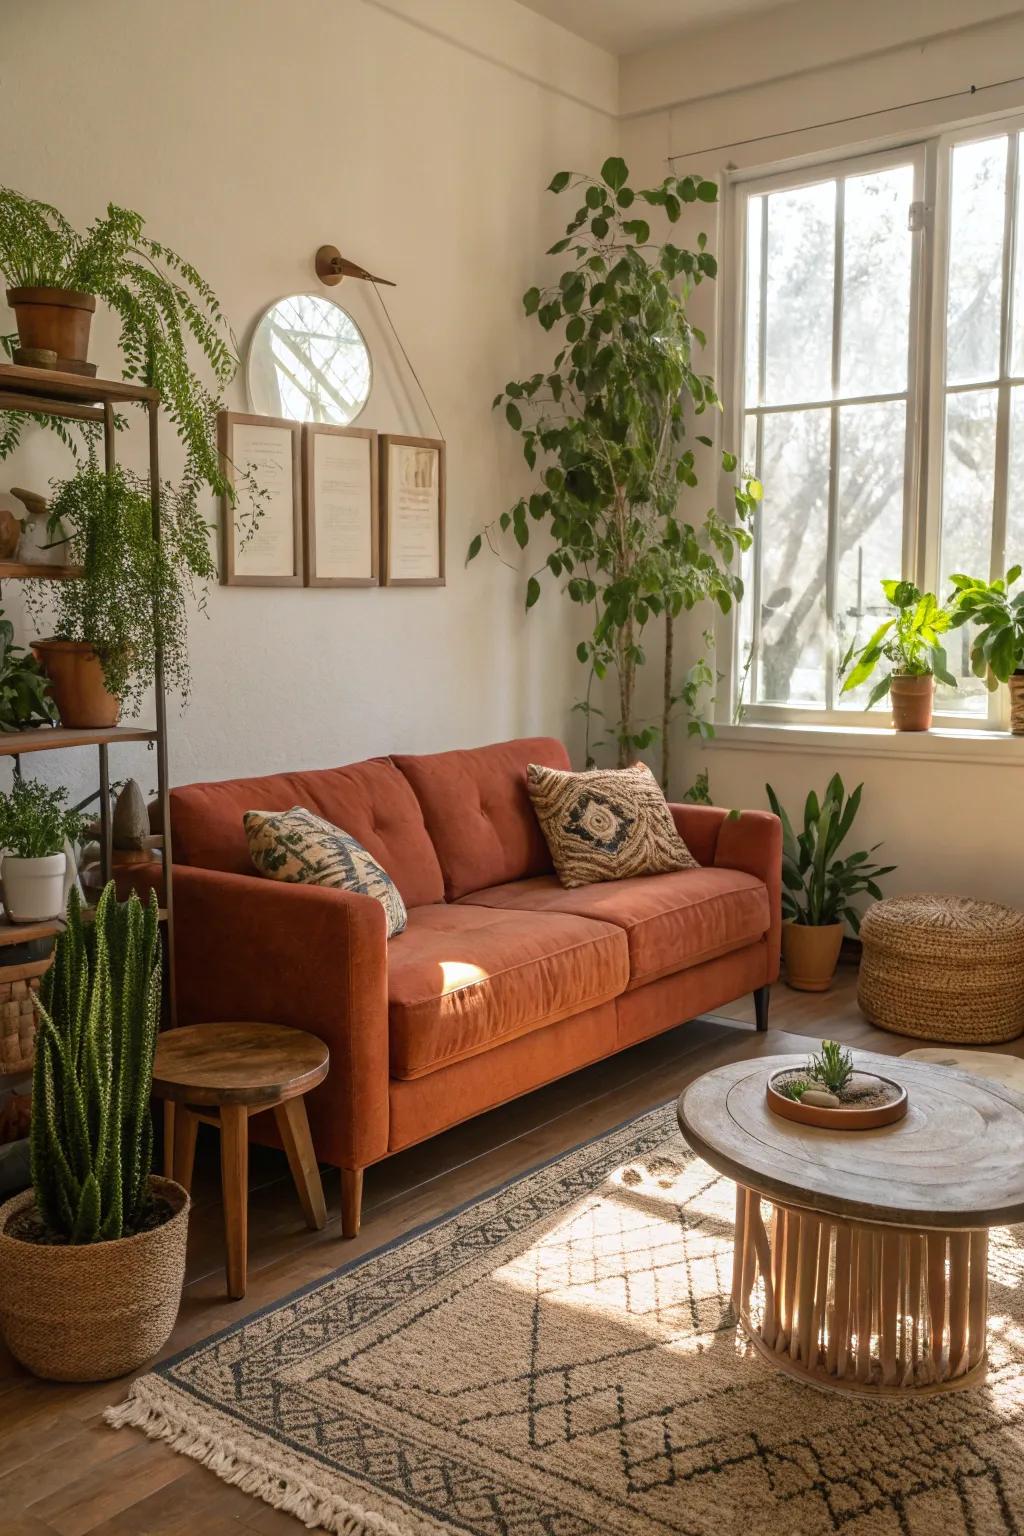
{"x":24,"y":933}
{"x":38,"y":384}
{"x":58,"y":738}
{"x":23,"y":570}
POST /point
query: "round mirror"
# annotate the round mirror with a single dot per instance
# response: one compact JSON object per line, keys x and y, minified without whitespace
{"x":308,"y":362}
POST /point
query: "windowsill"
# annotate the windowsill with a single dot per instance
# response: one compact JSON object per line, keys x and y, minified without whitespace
{"x":942,"y":744}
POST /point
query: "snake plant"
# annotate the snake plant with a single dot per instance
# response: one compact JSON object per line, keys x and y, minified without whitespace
{"x":818,"y":886}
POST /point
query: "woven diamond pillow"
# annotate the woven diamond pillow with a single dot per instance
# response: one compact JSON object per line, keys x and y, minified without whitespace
{"x":606,"y":824}
{"x":302,"y":848}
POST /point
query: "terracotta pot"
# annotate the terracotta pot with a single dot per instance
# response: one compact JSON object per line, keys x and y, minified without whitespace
{"x":76,"y":682}
{"x":1017,"y":703}
{"x":95,"y":1310}
{"x":811,"y":955}
{"x":54,"y":320}
{"x":912,"y":699}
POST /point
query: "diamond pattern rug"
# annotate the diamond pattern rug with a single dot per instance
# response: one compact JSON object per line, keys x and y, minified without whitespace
{"x":560,"y":1359}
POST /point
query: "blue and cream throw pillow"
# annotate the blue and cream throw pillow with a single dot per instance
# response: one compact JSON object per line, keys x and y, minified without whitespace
{"x":304,"y":849}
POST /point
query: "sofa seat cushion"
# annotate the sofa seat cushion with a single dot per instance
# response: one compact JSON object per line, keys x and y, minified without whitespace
{"x":670,"y":921}
{"x":464,"y":978}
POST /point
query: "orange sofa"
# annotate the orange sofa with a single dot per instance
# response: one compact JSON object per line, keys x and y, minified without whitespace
{"x":502,"y":980}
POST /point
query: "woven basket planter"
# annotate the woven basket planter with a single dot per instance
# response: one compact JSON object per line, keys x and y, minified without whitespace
{"x":98,"y":1310}
{"x":944,"y":968}
{"x":18,"y":984}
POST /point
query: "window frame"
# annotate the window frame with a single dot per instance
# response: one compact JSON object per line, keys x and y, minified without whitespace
{"x":931,"y":157}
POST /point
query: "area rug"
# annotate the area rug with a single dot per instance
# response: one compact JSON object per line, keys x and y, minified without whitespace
{"x":559,"y":1358}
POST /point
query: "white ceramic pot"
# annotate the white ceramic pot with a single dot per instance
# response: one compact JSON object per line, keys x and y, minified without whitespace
{"x":34,"y":888}
{"x":38,"y":547}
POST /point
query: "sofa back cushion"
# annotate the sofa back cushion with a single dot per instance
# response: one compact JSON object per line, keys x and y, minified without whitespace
{"x":478,"y":812}
{"x":371,"y":801}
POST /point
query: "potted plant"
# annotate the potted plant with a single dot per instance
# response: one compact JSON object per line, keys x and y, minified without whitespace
{"x":819,"y":886}
{"x":92,"y":1257}
{"x":997,"y":654}
{"x":131,"y":598}
{"x":910,"y":643}
{"x":35,"y":823}
{"x":25,"y":700}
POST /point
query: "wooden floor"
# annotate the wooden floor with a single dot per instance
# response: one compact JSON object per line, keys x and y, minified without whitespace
{"x":62,"y":1470}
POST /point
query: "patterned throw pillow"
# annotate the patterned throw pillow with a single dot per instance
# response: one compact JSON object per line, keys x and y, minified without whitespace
{"x":606,"y":824}
{"x":297,"y":846}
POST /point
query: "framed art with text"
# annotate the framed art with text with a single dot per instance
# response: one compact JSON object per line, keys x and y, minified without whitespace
{"x":269,"y":554}
{"x":412,"y":477}
{"x":340,"y":510}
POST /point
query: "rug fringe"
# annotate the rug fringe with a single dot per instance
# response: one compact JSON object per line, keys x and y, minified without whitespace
{"x":234,"y":1464}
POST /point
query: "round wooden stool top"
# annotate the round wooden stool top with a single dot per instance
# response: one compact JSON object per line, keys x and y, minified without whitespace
{"x":237,"y":1064}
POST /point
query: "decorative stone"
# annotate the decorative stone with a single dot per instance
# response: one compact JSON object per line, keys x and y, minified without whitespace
{"x":131,"y":818}
{"x":819,"y":1098}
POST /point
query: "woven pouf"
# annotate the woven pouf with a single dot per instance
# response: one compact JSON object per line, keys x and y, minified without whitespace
{"x":943,"y":968}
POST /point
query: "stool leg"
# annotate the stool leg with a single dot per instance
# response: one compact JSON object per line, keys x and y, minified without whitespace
{"x":168,"y":1138}
{"x":293,"y":1125}
{"x":186,"y":1127}
{"x":234,"y":1180}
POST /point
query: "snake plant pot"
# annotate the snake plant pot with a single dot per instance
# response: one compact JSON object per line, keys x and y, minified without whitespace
{"x":912,"y":699}
{"x":91,"y":1311}
{"x":55,"y":320}
{"x":33,"y":888}
{"x":1016,"y":686}
{"x":76,"y":681}
{"x":811,"y":954}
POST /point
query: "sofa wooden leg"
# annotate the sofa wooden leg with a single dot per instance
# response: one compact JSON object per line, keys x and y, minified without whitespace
{"x":351,"y":1201}
{"x":761,"y":996}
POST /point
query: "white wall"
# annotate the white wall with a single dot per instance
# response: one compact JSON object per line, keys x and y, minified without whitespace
{"x":419,"y":138}
{"x":757,"y":86}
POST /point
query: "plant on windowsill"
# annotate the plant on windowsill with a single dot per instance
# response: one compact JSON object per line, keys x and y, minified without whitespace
{"x":997,"y":652}
{"x":35,"y":827}
{"x":92,"y":1257}
{"x":818,"y":887}
{"x":910,"y":646}
{"x":132,"y":596}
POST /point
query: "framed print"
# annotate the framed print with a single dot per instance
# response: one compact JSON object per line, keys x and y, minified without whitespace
{"x":412,"y":516}
{"x":340,"y":508}
{"x":271,"y":556}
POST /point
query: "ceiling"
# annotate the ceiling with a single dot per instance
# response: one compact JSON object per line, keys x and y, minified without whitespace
{"x":627,"y":26}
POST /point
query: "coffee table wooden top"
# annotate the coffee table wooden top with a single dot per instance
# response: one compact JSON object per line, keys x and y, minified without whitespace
{"x":237,"y":1063}
{"x":956,"y":1161}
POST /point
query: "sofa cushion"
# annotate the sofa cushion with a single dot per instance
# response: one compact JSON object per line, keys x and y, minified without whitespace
{"x":464,"y":978}
{"x":478,"y":813}
{"x":371,"y":801}
{"x":670,"y":921}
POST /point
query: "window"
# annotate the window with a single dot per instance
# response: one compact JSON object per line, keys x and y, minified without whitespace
{"x":880,"y":374}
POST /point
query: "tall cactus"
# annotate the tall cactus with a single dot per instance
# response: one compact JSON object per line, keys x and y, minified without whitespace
{"x":99,"y":1011}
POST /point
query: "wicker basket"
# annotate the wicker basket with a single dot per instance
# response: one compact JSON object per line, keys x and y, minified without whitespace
{"x":18,"y":983}
{"x":943,"y":968}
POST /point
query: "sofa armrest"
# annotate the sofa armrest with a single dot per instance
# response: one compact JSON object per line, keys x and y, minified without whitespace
{"x":747,"y":840}
{"x":253,"y":949}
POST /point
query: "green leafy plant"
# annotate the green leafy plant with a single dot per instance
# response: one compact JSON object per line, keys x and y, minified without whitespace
{"x":795,"y":1088}
{"x":35,"y":820}
{"x":24,"y":689}
{"x":910,"y":642}
{"x":91,"y":1140}
{"x":819,"y":886}
{"x":997,"y":651}
{"x":833,"y":1067}
{"x":608,"y":428}
{"x":134,"y":592}
{"x":166,"y":310}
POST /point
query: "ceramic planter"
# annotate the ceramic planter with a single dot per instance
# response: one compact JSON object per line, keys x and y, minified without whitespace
{"x":811,"y":955}
{"x":1016,"y":686}
{"x":912,"y":699}
{"x":76,"y":682}
{"x":55,"y":320}
{"x":34,"y":888}
{"x":92,"y":1311}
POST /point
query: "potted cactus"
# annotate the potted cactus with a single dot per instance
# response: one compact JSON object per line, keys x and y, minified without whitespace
{"x":92,"y":1257}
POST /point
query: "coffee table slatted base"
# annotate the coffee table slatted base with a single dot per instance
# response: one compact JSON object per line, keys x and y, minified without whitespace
{"x":861,"y":1307}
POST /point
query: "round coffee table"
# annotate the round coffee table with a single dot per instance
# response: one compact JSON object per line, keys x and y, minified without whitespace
{"x":873,"y":1259}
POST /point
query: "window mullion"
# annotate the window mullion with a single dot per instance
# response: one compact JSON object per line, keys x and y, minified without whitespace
{"x":832,"y":537}
{"x":1000,"y":489}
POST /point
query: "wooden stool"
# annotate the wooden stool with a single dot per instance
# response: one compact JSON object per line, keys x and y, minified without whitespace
{"x":221,"y":1074}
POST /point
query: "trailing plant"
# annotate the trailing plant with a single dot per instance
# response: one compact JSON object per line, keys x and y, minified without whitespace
{"x":35,"y":820}
{"x":997,"y":651}
{"x":833,"y":1066}
{"x":910,"y":642}
{"x":134,"y":591}
{"x":608,"y":425}
{"x":92,"y":1133}
{"x":818,"y":885}
{"x":25,"y":700}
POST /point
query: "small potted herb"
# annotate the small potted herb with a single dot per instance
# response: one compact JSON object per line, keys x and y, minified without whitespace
{"x":35,"y":823}
{"x":909,"y":645}
{"x":818,"y":887}
{"x":997,"y":653}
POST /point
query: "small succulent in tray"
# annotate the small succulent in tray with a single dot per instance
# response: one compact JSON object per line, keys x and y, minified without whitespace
{"x":833,"y":1068}
{"x":794,"y":1088}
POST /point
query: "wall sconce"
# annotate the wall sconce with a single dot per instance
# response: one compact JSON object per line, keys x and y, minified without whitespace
{"x":332,"y":267}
